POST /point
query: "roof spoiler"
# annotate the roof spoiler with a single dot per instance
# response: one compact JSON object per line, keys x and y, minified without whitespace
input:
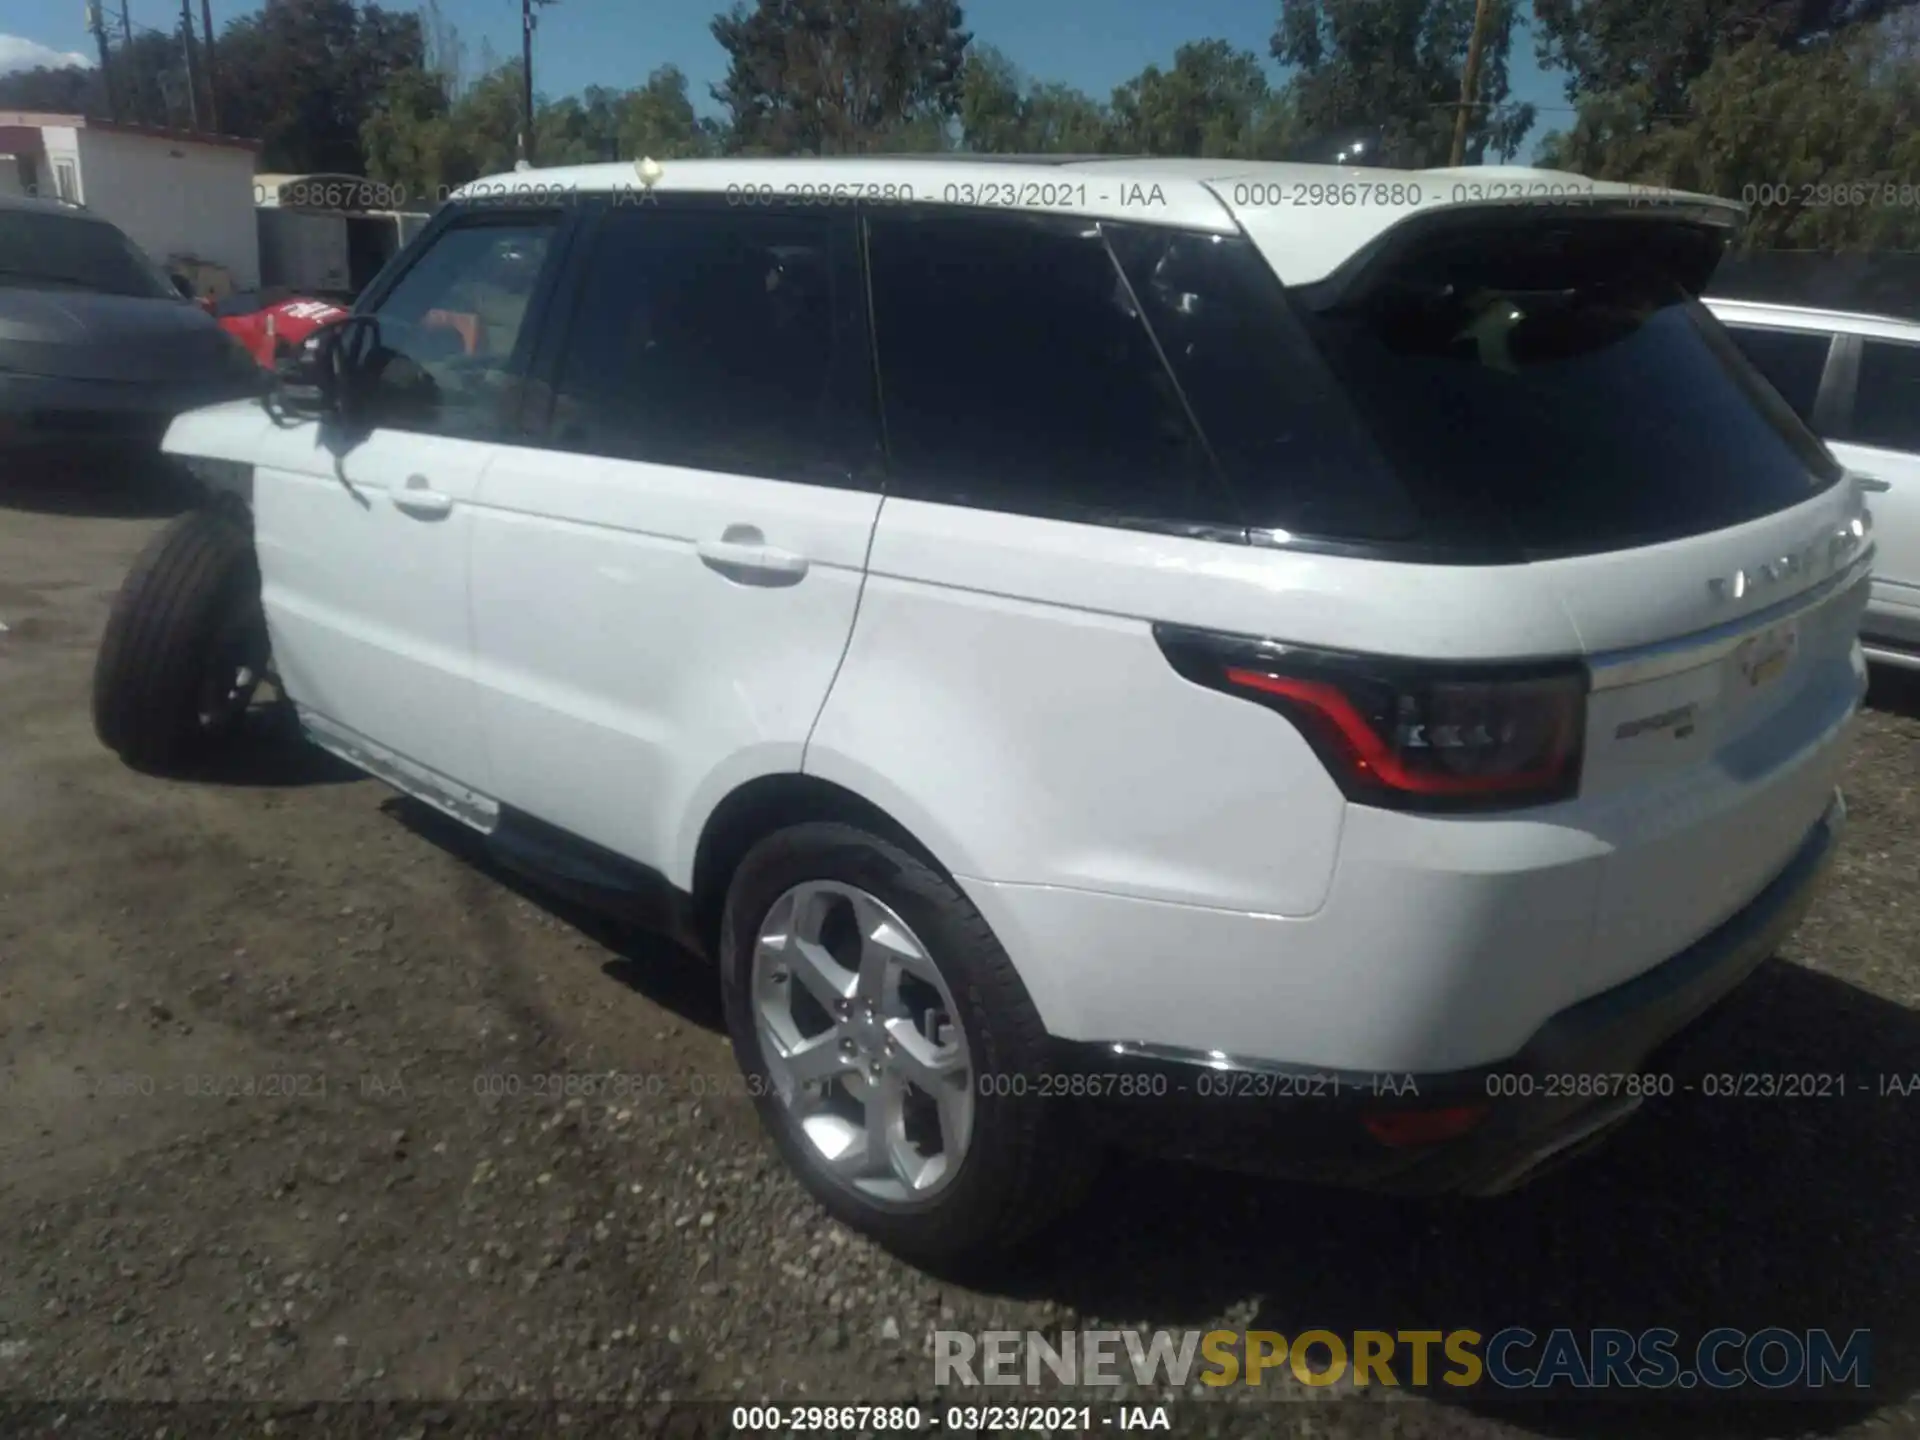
{"x":1684,"y":234}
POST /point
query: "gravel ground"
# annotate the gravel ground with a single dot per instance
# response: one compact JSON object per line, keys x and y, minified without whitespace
{"x":390,"y":1225}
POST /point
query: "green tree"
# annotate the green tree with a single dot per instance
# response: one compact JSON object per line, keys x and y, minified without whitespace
{"x":1215,"y":101}
{"x":411,"y":141}
{"x":825,"y":76}
{"x":304,"y":76}
{"x":657,"y":119}
{"x":992,"y":101}
{"x":1656,"y":50}
{"x":578,"y":130}
{"x":67,"y":90}
{"x":144,"y":74}
{"x":1003,"y":112}
{"x":1066,"y":121}
{"x":487,"y":120}
{"x":1396,"y":65}
{"x":1820,"y":144}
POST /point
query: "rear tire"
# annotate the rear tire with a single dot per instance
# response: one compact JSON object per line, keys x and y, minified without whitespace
{"x":1022,"y":1162}
{"x":185,"y":644}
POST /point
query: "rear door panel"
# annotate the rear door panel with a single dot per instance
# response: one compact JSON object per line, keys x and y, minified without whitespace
{"x":666,"y":573}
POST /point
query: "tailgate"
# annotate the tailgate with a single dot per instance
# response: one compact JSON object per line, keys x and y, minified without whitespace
{"x":1709,"y":759}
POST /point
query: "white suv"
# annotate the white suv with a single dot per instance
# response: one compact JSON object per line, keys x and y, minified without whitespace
{"x":1855,"y":379}
{"x":1328,"y":670}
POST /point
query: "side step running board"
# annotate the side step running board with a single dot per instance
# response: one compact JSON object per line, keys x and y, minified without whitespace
{"x":555,"y":859}
{"x":594,"y":877}
{"x":429,"y":787}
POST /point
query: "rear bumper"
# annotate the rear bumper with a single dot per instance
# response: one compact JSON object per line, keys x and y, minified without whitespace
{"x":1582,"y":1072}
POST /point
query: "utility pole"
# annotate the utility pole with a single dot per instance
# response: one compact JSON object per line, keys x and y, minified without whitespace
{"x":99,"y":28}
{"x":206,"y":66}
{"x":1469,"y":82}
{"x":186,"y":54}
{"x":135,"y":105}
{"x":527,"y":22}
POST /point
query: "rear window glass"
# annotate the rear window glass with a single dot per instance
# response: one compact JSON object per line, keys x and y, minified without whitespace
{"x":1567,"y":393}
{"x":72,"y":252}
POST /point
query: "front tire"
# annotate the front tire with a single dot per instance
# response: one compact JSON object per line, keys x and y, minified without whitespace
{"x":185,"y":645}
{"x":874,"y":1015}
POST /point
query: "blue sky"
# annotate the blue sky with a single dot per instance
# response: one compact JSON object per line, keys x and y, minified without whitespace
{"x":1093,"y":44}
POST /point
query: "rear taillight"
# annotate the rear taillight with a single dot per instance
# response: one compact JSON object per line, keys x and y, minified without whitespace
{"x":1400,"y":1128}
{"x":1409,"y":735}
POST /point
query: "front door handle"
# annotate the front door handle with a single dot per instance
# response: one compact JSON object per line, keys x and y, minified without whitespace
{"x":416,"y":497}
{"x":1872,"y":484}
{"x":742,"y":554}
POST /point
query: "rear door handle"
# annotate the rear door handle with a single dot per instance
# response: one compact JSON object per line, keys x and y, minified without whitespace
{"x":416,"y":497}
{"x":742,"y":554}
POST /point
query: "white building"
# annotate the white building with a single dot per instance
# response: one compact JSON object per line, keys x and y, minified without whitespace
{"x":186,"y":199}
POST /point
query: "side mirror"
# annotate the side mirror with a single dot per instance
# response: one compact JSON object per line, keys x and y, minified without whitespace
{"x":321,"y":376}
{"x":182,"y":286}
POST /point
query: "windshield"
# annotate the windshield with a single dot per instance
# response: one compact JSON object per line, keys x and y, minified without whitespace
{"x":38,"y":248}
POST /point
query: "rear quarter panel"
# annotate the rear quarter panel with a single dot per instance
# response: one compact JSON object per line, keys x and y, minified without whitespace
{"x":1004,"y":698}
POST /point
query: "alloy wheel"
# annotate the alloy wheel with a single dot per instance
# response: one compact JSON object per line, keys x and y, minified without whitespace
{"x":862,"y":1042}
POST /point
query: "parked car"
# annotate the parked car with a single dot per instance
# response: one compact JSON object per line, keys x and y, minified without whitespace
{"x":96,"y":347}
{"x":1098,"y":653}
{"x":1855,"y":379}
{"x":272,"y":326}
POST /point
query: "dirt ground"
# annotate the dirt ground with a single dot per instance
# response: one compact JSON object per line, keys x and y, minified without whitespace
{"x":275,"y":1126}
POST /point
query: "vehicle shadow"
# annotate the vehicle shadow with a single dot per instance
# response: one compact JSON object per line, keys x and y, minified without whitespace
{"x":1701,"y":1213}
{"x":646,"y":962}
{"x":269,"y":752}
{"x":96,"y":488}
{"x":1895,"y":690}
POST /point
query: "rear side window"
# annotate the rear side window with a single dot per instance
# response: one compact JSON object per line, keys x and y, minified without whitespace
{"x":716,"y":340}
{"x":1792,"y":360}
{"x":1555,"y":383}
{"x":1292,"y":449}
{"x":1016,"y":374}
{"x":1886,"y":400}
